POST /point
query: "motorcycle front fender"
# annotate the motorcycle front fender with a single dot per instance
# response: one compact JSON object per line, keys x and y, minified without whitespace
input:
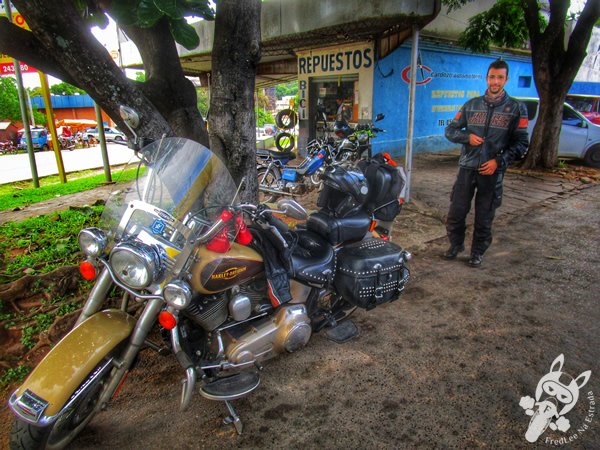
{"x":48,"y":388}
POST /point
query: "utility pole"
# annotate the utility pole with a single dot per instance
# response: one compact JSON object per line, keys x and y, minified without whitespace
{"x":23,"y":106}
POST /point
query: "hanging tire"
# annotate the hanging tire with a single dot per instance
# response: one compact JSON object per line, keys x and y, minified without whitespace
{"x":286,"y":119}
{"x":72,"y":420}
{"x":268,"y":179}
{"x":285,"y":142}
{"x":592,"y":156}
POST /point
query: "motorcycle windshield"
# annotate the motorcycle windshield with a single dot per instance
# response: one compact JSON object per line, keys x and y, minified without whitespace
{"x":182,"y":178}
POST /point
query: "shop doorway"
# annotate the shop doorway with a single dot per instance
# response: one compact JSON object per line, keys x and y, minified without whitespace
{"x":323,"y":93}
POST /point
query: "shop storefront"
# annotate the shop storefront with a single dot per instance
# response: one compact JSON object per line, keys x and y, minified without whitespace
{"x":328,"y":74}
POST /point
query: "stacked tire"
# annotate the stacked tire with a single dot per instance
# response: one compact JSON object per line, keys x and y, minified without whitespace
{"x":286,"y":120}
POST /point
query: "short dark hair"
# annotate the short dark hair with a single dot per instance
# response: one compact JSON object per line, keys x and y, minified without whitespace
{"x":498,"y":64}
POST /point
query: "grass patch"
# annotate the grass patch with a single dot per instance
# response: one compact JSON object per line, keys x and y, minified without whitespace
{"x":16,"y":195}
{"x":13,"y":375}
{"x":41,"y":244}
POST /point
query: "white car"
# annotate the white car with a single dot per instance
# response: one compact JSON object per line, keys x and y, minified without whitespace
{"x":579,"y":138}
{"x":110,"y":134}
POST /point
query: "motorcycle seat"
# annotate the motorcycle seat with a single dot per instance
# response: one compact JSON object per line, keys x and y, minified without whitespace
{"x":289,"y":155}
{"x":313,"y":259}
{"x":353,"y":226}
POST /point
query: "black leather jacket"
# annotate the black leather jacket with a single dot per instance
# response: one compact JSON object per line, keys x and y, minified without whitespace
{"x":503,"y":125}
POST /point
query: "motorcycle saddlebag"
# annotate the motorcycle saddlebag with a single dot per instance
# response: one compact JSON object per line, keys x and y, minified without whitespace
{"x":370,"y":273}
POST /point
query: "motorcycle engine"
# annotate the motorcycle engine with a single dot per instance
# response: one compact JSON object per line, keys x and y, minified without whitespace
{"x":288,"y":331}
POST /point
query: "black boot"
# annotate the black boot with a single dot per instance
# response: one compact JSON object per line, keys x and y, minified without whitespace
{"x":453,"y":251}
{"x":475,"y":260}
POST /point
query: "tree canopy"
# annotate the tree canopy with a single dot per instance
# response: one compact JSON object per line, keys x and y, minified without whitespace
{"x":9,"y":103}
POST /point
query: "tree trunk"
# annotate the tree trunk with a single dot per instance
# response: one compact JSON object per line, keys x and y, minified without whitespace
{"x":554,"y":69}
{"x":232,"y":122}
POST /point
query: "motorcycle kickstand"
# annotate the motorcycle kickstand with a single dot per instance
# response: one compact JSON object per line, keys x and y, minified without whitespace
{"x":233,"y":418}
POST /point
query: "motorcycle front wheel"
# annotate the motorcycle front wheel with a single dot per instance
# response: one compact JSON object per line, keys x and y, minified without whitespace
{"x":72,"y":419}
{"x":267,"y":179}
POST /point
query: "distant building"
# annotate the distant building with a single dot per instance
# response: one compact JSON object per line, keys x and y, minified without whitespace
{"x":8,"y":132}
{"x":71,"y":107}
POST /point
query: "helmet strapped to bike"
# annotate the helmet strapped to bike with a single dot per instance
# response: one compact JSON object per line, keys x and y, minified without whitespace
{"x":342,"y":129}
{"x":343,"y":190}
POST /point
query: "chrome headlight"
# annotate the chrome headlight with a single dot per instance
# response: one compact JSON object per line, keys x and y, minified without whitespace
{"x":135,"y":264}
{"x":178,"y":294}
{"x":92,"y":241}
{"x":363,"y":138}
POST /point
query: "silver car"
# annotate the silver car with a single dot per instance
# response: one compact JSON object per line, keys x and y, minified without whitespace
{"x":111,"y":134}
{"x":579,"y":138}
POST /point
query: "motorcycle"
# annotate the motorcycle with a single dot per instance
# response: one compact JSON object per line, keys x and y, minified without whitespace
{"x":228,"y":285}
{"x":7,"y":147}
{"x":276,"y":178}
{"x":355,"y":143}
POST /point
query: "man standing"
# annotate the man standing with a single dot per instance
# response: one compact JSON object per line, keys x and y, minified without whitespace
{"x":493,"y":131}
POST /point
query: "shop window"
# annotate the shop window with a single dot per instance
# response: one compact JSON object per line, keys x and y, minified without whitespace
{"x":327,"y":94}
{"x":524,"y":82}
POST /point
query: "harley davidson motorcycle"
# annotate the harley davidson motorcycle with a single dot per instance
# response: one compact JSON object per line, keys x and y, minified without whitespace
{"x":227,"y":285}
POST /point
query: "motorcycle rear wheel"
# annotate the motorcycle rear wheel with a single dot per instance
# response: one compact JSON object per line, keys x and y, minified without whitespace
{"x":268,"y":179}
{"x":72,"y":420}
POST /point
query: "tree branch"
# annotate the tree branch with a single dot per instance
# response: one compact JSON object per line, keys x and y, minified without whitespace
{"x":583,"y":29}
{"x":532,"y":14}
{"x":23,"y":45}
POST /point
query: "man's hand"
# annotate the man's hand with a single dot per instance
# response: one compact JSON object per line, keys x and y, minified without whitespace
{"x":475,"y":140}
{"x":488,"y":168}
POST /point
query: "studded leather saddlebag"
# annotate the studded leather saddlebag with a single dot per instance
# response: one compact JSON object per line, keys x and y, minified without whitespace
{"x":370,"y":273}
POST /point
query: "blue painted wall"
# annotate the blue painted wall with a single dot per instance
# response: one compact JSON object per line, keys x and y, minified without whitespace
{"x":585,"y":87}
{"x":64,"y":101}
{"x":449,"y":77}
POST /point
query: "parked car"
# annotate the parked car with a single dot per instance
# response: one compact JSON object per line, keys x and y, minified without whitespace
{"x":39,"y":139}
{"x":579,"y":138}
{"x":111,"y":134}
{"x":588,"y":105}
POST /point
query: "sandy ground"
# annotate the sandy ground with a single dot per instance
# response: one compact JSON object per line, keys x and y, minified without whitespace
{"x":444,"y":366}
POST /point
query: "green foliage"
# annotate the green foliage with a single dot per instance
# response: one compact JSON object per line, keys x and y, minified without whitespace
{"x":263,"y":117}
{"x":43,"y":243}
{"x":65,"y":89}
{"x":9,"y":99}
{"x":202,"y":102}
{"x":14,"y":375}
{"x":147,"y":13}
{"x":20,"y":194}
{"x":283,"y":90}
{"x":140,"y":76}
{"x":503,"y":25}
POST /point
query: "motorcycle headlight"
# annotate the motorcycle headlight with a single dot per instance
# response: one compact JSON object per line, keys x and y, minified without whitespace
{"x":92,"y":241}
{"x":178,"y":294}
{"x":136,"y":264}
{"x":363,"y":138}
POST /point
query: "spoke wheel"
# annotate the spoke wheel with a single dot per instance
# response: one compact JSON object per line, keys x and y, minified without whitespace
{"x":267,"y":179}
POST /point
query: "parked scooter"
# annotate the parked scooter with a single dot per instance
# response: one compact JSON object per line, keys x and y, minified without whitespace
{"x":228,"y":284}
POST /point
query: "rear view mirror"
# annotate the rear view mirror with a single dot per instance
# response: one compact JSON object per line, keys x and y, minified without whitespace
{"x":379,"y":117}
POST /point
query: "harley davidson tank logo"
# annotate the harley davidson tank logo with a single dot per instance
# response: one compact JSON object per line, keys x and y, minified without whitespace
{"x":228,"y":274}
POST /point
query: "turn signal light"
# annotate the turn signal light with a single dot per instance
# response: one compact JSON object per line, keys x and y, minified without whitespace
{"x":87,"y":270}
{"x":167,"y":320}
{"x":220,"y":243}
{"x":244,"y":236}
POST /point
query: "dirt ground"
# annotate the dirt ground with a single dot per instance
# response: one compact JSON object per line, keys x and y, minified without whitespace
{"x":444,"y":366}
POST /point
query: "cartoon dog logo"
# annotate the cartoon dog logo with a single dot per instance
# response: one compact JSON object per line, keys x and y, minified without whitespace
{"x":556,"y":394}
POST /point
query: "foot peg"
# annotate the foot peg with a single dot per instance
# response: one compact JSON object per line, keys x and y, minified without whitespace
{"x":342,"y":332}
{"x":231,"y":387}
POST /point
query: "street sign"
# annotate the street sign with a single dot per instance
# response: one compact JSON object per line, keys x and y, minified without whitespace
{"x":6,"y":62}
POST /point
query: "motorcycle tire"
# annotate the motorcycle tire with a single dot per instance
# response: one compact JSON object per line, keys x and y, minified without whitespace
{"x":286,"y":119}
{"x":25,"y":436}
{"x":268,"y":178}
{"x":285,"y":142}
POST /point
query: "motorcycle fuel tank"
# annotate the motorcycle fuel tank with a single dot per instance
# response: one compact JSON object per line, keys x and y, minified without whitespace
{"x":216,"y":272}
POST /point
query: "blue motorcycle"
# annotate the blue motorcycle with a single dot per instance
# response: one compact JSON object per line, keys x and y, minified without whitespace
{"x":278,"y":178}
